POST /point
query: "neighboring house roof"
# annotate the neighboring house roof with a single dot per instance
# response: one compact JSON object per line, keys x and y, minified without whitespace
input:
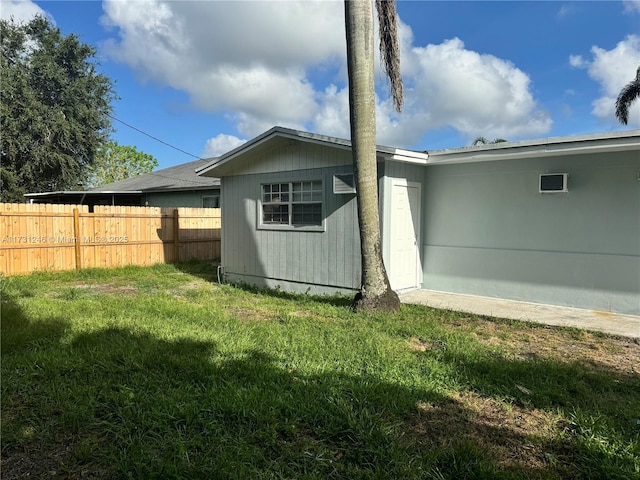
{"x":546,"y":147}
{"x":217,"y":165}
{"x":179,"y":177}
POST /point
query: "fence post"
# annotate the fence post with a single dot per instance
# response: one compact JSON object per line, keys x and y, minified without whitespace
{"x":176,"y":236}
{"x":76,"y":236}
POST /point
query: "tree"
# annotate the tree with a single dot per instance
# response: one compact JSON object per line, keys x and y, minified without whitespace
{"x":629,"y":94}
{"x":375,"y":293}
{"x":54,"y":109}
{"x":484,"y":141}
{"x":118,"y":162}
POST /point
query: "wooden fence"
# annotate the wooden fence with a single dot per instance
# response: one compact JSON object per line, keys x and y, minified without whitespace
{"x":64,"y":237}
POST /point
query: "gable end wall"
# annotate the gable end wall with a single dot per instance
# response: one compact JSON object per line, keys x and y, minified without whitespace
{"x":318,"y":262}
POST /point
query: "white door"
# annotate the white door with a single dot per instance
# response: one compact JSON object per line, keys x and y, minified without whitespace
{"x":404,"y":268}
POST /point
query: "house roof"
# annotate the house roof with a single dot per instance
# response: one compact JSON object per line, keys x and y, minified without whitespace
{"x":179,"y":177}
{"x":217,"y":165}
{"x":547,"y":147}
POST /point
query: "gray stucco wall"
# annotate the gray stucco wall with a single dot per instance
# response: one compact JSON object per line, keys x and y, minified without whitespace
{"x":319,"y":262}
{"x":487,"y":231}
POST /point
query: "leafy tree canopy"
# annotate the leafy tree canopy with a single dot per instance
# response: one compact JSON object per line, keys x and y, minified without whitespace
{"x":54,"y":108}
{"x":118,"y":162}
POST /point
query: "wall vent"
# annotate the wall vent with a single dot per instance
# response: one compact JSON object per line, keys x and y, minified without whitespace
{"x":344,"y":183}
{"x":553,"y":183}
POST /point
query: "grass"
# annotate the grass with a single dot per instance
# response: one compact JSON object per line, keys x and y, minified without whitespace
{"x":161,"y":373}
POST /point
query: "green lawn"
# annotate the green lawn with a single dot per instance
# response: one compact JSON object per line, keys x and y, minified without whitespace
{"x":161,"y":373}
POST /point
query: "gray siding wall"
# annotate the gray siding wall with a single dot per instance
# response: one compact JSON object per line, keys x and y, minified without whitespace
{"x":487,"y":231}
{"x":191,"y":199}
{"x":286,"y":155}
{"x":293,"y":260}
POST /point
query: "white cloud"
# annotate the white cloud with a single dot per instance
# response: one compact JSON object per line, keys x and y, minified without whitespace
{"x":333,"y":116}
{"x":631,"y":6}
{"x":612,"y":70}
{"x":577,"y":61}
{"x":283,"y":63}
{"x":477,"y":94}
{"x":249,"y":59}
{"x":20,"y":10}
{"x":566,"y":10}
{"x":223,"y":143}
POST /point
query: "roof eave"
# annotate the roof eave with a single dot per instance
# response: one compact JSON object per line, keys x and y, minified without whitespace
{"x":551,"y":148}
{"x":408,"y":156}
{"x":388,"y":153}
{"x":78,"y":192}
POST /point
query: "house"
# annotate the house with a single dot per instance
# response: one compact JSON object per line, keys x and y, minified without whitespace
{"x":553,"y":221}
{"x":177,"y":186}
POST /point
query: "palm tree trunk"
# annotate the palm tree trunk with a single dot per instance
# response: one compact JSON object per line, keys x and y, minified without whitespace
{"x":376,"y":292}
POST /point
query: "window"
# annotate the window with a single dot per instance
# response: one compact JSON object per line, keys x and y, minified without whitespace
{"x":293,"y":204}
{"x":211,"y":201}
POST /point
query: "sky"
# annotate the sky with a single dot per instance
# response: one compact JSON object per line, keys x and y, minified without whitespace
{"x":202,"y":77}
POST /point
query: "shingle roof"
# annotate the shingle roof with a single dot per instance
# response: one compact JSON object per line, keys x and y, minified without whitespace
{"x":179,"y":177}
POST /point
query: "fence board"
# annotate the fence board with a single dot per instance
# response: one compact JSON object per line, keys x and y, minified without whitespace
{"x":37,"y":237}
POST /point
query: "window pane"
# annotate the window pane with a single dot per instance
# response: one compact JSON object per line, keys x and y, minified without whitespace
{"x":267,"y":195}
{"x":211,"y":201}
{"x":275,"y":193}
{"x":275,"y":214}
{"x":307,"y":214}
{"x":305,"y":199}
{"x":307,"y":191}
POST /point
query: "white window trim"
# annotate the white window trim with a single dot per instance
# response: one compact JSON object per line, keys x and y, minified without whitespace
{"x":296,"y":228}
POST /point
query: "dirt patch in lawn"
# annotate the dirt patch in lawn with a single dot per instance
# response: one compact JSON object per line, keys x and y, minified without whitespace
{"x":598,"y":351}
{"x":185,"y":291}
{"x":109,"y":288}
{"x":513,"y":436}
{"x":51,"y":463}
{"x":249,"y":314}
{"x":419,"y":345}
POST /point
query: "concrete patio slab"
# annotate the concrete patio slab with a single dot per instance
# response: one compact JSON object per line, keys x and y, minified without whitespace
{"x":607,"y":322}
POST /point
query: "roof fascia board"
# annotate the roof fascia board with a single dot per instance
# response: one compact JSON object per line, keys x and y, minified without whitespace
{"x":408,"y":156}
{"x":81,"y":192}
{"x":230,"y":155}
{"x":111,"y":192}
{"x":180,"y":189}
{"x":550,"y":149}
{"x":267,"y":136}
{"x":386,"y":153}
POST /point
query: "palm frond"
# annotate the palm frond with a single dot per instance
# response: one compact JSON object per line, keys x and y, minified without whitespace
{"x":629,"y":94}
{"x":390,"y":48}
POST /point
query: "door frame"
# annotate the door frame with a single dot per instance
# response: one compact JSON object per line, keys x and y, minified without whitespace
{"x":403,"y":182}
